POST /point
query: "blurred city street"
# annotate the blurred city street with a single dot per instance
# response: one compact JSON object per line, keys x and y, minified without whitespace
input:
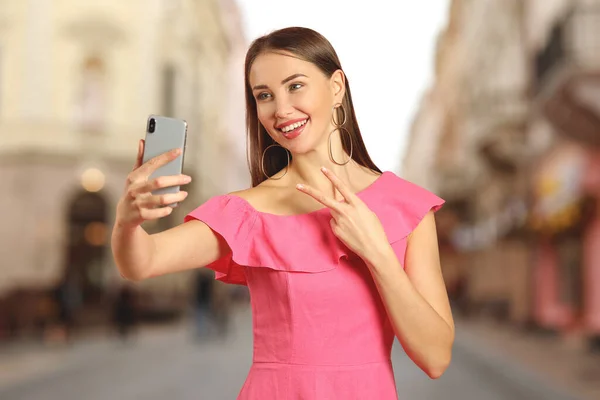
{"x":494,"y":106}
{"x":167,"y":362}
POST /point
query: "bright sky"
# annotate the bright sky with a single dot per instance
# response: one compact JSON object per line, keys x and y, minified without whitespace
{"x":386,"y":48}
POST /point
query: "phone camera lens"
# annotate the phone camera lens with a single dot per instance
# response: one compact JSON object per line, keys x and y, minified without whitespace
{"x":151,"y":125}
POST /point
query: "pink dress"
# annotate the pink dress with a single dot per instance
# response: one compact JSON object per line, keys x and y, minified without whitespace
{"x":320,"y":327}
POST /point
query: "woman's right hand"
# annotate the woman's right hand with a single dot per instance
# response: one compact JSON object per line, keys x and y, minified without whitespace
{"x":138,"y":204}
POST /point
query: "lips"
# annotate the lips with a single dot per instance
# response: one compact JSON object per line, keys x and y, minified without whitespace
{"x":289,"y":123}
{"x":296,"y":132}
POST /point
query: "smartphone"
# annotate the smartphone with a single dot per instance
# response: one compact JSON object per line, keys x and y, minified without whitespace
{"x":164,"y":134}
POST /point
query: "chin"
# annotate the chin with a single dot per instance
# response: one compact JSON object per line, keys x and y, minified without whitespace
{"x":301,"y":145}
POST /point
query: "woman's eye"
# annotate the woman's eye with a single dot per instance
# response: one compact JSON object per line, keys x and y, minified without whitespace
{"x":262,"y":96}
{"x":295,"y":86}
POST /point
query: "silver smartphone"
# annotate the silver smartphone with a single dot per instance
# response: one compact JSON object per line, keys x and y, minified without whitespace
{"x":164,"y":134}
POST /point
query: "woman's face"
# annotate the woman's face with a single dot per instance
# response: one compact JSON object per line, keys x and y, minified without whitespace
{"x":294,"y":100}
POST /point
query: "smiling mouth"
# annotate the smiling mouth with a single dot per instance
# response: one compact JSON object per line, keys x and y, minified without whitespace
{"x":294,"y":130}
{"x":292,"y":127}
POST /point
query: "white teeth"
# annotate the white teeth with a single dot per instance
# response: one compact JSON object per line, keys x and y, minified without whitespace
{"x":291,"y":127}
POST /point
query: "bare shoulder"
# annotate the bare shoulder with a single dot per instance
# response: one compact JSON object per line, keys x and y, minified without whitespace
{"x":266,"y":197}
{"x":253,"y":194}
{"x":250,"y":194}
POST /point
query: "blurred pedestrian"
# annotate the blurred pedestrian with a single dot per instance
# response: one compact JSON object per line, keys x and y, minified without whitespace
{"x":124,"y":311}
{"x":221,"y":308}
{"x":69,"y":298}
{"x":203,"y":302}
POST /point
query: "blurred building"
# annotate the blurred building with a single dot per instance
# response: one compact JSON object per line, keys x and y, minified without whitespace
{"x":477,"y":109}
{"x":236,"y":175}
{"x":77,"y":82}
{"x":513,"y":117}
{"x":565,"y":214}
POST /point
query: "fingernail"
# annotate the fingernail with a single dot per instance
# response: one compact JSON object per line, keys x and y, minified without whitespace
{"x":184,"y":193}
{"x":323,"y":169}
{"x":300,"y":186}
{"x":187,"y":179}
{"x":176,"y":152}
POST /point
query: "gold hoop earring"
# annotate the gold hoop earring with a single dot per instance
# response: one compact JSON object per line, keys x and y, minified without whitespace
{"x":262,"y":161}
{"x":335,"y":107}
{"x":340,"y":129}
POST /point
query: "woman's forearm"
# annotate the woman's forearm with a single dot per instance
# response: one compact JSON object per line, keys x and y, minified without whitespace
{"x":133,"y":250}
{"x":425,"y":336}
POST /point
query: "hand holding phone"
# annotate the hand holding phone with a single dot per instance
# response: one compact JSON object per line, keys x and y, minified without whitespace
{"x":162,"y":135}
{"x":153,"y":186}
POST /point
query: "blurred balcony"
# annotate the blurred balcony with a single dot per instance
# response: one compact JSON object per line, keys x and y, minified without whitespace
{"x":567,"y":72}
{"x":457,"y":169}
{"x":501,"y":141}
{"x":454,"y":184}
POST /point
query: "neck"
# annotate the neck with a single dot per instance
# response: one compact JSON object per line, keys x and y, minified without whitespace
{"x":306,"y":168}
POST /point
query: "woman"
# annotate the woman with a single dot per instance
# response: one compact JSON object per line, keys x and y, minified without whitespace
{"x":338,"y":260}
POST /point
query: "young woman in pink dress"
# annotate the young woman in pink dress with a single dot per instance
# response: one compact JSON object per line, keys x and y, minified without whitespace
{"x":339,"y":258}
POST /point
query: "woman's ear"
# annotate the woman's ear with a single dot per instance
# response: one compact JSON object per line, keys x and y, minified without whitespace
{"x":338,"y":85}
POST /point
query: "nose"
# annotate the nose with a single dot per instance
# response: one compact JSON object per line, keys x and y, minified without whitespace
{"x":284,"y":109}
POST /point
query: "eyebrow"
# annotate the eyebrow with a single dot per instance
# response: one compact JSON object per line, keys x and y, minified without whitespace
{"x":283,"y":82}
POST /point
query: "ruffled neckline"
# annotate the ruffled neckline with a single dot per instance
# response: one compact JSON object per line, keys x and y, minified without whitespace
{"x":361,"y":194}
{"x":262,"y":240}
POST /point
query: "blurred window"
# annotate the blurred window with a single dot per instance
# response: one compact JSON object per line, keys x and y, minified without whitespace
{"x":168,"y":90}
{"x":583,"y":33}
{"x":171,"y":6}
{"x":551,"y":54}
{"x":570,"y":253}
{"x":92,"y":96}
{"x":1,"y":87}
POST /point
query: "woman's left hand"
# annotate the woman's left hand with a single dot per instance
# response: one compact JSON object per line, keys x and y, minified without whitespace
{"x":353,"y":222}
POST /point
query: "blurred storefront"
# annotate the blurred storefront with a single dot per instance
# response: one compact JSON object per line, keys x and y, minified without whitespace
{"x":77,"y":84}
{"x":515,"y":114}
{"x":561,"y":216}
{"x":565,"y":214}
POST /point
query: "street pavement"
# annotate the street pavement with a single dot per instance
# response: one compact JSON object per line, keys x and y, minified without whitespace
{"x":167,"y":363}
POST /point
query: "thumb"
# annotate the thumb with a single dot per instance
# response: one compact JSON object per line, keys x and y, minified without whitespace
{"x":140,"y":155}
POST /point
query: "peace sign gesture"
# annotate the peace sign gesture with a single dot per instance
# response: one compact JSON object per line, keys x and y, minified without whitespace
{"x":352,"y":221}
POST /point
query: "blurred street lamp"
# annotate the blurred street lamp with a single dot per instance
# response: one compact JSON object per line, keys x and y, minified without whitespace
{"x":93,"y":180}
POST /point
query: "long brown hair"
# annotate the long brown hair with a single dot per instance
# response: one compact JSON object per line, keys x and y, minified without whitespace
{"x":310,"y":46}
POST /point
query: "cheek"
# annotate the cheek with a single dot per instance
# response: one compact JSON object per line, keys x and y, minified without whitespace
{"x":265,"y":111}
{"x":321,"y":117}
{"x":315,"y":105}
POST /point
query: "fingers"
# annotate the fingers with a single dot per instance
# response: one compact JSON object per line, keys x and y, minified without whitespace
{"x":138,"y":203}
{"x":154,"y":201}
{"x":349,"y":196}
{"x":339,"y":185}
{"x":149,"y":214}
{"x":146,"y":207}
{"x":163,"y":159}
{"x":321,"y":198}
{"x":158,"y":183}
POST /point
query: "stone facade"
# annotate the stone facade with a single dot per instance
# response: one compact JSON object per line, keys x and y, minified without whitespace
{"x":77,"y":82}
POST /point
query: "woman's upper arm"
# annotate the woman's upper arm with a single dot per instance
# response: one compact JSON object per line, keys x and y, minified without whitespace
{"x":187,"y":246}
{"x":422,"y":265}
